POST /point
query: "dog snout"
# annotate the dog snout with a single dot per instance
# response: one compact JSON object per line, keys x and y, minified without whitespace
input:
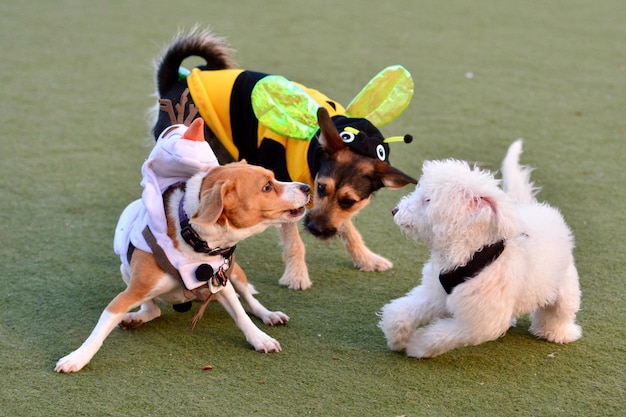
{"x":394,"y":211}
{"x":318,"y":230}
{"x":305,"y":188}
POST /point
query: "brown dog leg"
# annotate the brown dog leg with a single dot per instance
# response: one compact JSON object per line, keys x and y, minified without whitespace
{"x":363,"y":258}
{"x":296,"y":275}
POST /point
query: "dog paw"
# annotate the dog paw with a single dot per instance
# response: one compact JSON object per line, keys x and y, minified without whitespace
{"x":295,"y":281}
{"x":396,"y":334}
{"x":130,"y":324}
{"x":396,"y":344}
{"x":565,"y":334}
{"x":373,"y":263}
{"x":73,"y":362}
{"x":266,"y":344}
{"x":275,"y":318}
{"x":418,"y":347}
{"x":136,"y":319}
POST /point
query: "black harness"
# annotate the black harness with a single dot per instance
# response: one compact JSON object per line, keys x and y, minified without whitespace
{"x":195,"y":241}
{"x":481,"y":259}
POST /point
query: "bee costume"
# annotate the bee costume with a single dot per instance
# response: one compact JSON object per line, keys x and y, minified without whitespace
{"x":271,"y":121}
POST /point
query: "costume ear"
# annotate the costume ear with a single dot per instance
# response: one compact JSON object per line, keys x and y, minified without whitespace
{"x":211,"y":205}
{"x":195,"y":132}
{"x":392,"y":177}
{"x":284,"y":108}
{"x":384,"y":97}
{"x":329,"y":137}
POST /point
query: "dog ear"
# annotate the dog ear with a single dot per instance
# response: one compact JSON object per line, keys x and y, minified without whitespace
{"x":509,"y":221}
{"x":211,"y":205}
{"x":501,"y":209}
{"x":478,"y":202}
{"x":392,"y":177}
{"x":329,"y":137}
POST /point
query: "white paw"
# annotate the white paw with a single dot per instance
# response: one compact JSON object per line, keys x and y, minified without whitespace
{"x":398,"y":340}
{"x":418,"y":348}
{"x":565,"y":334}
{"x":299,"y":281}
{"x":265,"y":344}
{"x":131,"y":321}
{"x":397,"y":332}
{"x":73,"y":362}
{"x":148,"y":312}
{"x":275,"y":318}
{"x":374,"y":263}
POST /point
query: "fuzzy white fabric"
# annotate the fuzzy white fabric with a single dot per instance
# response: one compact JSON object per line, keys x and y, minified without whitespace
{"x":173,"y":159}
{"x":456,"y":210}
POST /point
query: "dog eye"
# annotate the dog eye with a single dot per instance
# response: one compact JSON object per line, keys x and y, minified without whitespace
{"x":268,"y":187}
{"x":321,"y":190}
{"x":346,"y":203}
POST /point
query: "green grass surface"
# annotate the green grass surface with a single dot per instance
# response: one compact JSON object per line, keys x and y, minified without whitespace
{"x":76,"y":79}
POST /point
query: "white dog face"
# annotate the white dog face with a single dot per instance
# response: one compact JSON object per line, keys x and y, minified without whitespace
{"x":455,"y":203}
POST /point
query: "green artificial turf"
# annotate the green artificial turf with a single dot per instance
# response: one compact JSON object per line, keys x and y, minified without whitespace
{"x":76,"y":79}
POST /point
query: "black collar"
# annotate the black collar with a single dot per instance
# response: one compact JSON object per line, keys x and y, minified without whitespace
{"x":481,"y":259}
{"x":194,"y":240}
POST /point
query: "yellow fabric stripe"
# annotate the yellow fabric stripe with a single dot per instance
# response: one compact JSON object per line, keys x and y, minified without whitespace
{"x":214,"y":105}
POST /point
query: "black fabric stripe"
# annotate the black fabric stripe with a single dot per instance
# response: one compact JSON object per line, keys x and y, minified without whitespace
{"x":272,"y":155}
{"x":244,"y":123}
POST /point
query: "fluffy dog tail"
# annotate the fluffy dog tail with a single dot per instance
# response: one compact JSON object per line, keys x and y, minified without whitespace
{"x":196,"y":42}
{"x":516,"y":178}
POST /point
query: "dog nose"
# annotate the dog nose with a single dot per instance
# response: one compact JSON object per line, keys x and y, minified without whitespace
{"x":394,"y":211}
{"x":305,"y":188}
{"x":318,"y":230}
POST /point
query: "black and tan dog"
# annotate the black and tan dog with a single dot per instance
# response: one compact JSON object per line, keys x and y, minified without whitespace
{"x":345,"y":160}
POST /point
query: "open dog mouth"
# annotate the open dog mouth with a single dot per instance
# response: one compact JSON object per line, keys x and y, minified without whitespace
{"x":299,"y":212}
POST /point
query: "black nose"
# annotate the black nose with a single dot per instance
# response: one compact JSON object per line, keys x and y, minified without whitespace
{"x":305,"y":188}
{"x":394,"y":211}
{"x":316,"y":230}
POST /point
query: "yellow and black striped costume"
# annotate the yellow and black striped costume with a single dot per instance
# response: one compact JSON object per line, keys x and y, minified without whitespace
{"x":223,"y":99}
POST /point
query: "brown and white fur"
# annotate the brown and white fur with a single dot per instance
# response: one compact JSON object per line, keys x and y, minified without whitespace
{"x":226,"y":205}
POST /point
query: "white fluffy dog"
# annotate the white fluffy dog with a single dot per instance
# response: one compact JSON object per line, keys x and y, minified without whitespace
{"x":496,"y":254}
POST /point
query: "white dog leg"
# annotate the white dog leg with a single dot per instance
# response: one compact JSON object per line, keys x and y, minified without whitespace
{"x":449,"y":333}
{"x":110,"y":317}
{"x":401,"y":317}
{"x":296,"y":275}
{"x":246,"y":290}
{"x":76,"y":360}
{"x":148,"y":312}
{"x":556,"y":322}
{"x":257,"y":338}
{"x":362,"y":257}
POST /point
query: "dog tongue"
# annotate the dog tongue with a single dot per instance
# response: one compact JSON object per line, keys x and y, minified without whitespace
{"x":195,"y":131}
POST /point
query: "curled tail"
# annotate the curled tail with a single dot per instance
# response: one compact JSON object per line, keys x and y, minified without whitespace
{"x":197,"y":42}
{"x":516,"y":178}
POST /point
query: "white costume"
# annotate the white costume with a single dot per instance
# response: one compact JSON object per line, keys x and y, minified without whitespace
{"x":179,"y":153}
